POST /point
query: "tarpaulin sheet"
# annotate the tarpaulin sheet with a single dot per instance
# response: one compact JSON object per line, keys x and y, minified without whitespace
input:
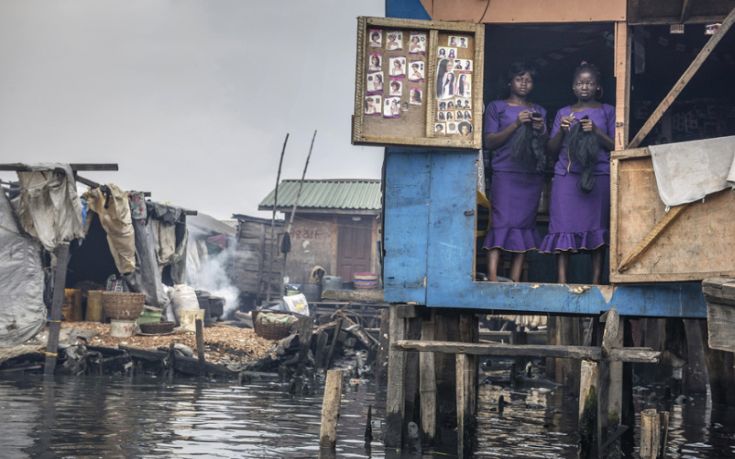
{"x":48,"y":206}
{"x":112,"y":205}
{"x":689,"y":171}
{"x":21,"y":281}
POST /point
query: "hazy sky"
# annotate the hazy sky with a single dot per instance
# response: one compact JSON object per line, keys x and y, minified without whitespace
{"x":191,"y":98}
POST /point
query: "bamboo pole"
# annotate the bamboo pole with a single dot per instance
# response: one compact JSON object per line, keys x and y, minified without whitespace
{"x":273,"y":219}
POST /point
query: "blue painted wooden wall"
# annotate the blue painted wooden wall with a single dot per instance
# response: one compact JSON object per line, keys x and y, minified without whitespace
{"x":429,"y":207}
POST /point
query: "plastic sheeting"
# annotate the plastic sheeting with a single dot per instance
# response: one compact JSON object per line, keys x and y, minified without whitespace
{"x":113,"y":209}
{"x":48,"y":207}
{"x":21,"y":281}
{"x":689,"y":171}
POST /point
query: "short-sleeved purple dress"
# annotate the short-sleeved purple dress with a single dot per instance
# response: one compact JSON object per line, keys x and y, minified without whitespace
{"x":515,"y":190}
{"x":579,"y":220}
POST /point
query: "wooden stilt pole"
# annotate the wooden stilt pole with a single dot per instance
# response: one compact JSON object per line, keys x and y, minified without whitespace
{"x":589,"y":377}
{"x":54,"y":327}
{"x":462,"y":373}
{"x":610,"y":387}
{"x":411,"y":395}
{"x":381,"y":363}
{"x":330,"y":409}
{"x":395,"y":392}
{"x":427,"y":384}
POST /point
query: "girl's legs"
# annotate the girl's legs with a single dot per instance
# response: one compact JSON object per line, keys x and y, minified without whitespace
{"x":516,"y":266}
{"x":562,"y":263}
{"x":493,"y":259}
{"x":597,"y":256}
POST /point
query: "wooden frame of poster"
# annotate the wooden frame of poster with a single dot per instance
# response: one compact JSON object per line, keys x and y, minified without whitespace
{"x":394,"y":107}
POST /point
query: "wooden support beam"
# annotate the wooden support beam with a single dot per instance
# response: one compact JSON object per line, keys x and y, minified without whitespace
{"x":54,"y":326}
{"x":330,"y":409}
{"x":18,"y":167}
{"x":622,"y":83}
{"x":427,"y":384}
{"x":381,"y":361}
{"x":683,"y":80}
{"x":395,"y":392}
{"x":628,"y":354}
{"x":651,"y":237}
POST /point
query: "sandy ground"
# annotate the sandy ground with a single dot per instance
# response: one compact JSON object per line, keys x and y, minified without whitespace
{"x":222,"y":344}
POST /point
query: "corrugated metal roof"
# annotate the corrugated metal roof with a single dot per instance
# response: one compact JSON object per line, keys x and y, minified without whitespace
{"x":342,"y":194}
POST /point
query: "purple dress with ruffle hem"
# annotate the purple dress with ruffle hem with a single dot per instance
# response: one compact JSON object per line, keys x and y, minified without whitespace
{"x":515,"y":191}
{"x":579,"y":220}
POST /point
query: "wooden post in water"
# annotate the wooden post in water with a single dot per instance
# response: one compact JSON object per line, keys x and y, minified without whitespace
{"x":587,"y":425}
{"x":330,"y":409}
{"x":200,"y":345}
{"x":381,"y":360}
{"x":54,"y":327}
{"x":466,"y":374}
{"x":395,"y":392}
{"x":610,"y":387}
{"x":335,"y":338}
{"x":427,"y":384}
{"x":650,"y":434}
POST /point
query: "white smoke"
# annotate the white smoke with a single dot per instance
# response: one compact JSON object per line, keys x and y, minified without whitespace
{"x":208,"y":272}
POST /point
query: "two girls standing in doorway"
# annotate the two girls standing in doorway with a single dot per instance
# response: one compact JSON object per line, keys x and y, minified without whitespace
{"x":581,"y":136}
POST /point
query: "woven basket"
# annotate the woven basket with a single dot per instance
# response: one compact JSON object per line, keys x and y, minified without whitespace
{"x":157,"y":328}
{"x":123,"y":305}
{"x":270,"y":330}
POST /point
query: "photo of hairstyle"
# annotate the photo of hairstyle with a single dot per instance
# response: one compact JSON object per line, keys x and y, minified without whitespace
{"x":444,"y":80}
{"x":392,"y":107}
{"x":416,"y":71}
{"x":375,"y":62}
{"x":375,"y":38}
{"x":464,"y":88}
{"x":417,"y":43}
{"x":397,"y":66}
{"x":416,"y":96}
{"x":394,"y":41}
{"x":395,"y":88}
{"x":451,"y":128}
{"x":374,"y":83}
{"x":439,"y":128}
{"x":465,"y":128}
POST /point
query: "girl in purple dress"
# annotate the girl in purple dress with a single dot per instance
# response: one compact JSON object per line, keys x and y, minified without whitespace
{"x":516,"y":182}
{"x":580,"y":192}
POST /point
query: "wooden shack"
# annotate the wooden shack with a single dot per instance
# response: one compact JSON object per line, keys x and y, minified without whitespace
{"x":335,"y":226}
{"x":666,"y":87}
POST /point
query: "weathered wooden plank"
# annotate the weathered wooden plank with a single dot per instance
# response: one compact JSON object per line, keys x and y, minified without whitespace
{"x":395,"y":392}
{"x":651,"y":237}
{"x":721,"y":326}
{"x":463,"y":370}
{"x":374,"y":296}
{"x":683,"y":80}
{"x":622,"y":83}
{"x":629,"y":354}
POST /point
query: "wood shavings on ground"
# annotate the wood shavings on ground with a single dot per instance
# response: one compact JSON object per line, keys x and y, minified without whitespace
{"x":223,"y":344}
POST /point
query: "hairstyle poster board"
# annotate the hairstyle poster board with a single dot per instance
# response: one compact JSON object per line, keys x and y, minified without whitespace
{"x":418,"y":83}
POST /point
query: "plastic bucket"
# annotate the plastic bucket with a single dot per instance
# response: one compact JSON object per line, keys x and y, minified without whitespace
{"x":188,"y":317}
{"x":94,"y":306}
{"x":122,"y":328}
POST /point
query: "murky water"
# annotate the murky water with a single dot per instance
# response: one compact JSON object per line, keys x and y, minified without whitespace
{"x":145,"y":417}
